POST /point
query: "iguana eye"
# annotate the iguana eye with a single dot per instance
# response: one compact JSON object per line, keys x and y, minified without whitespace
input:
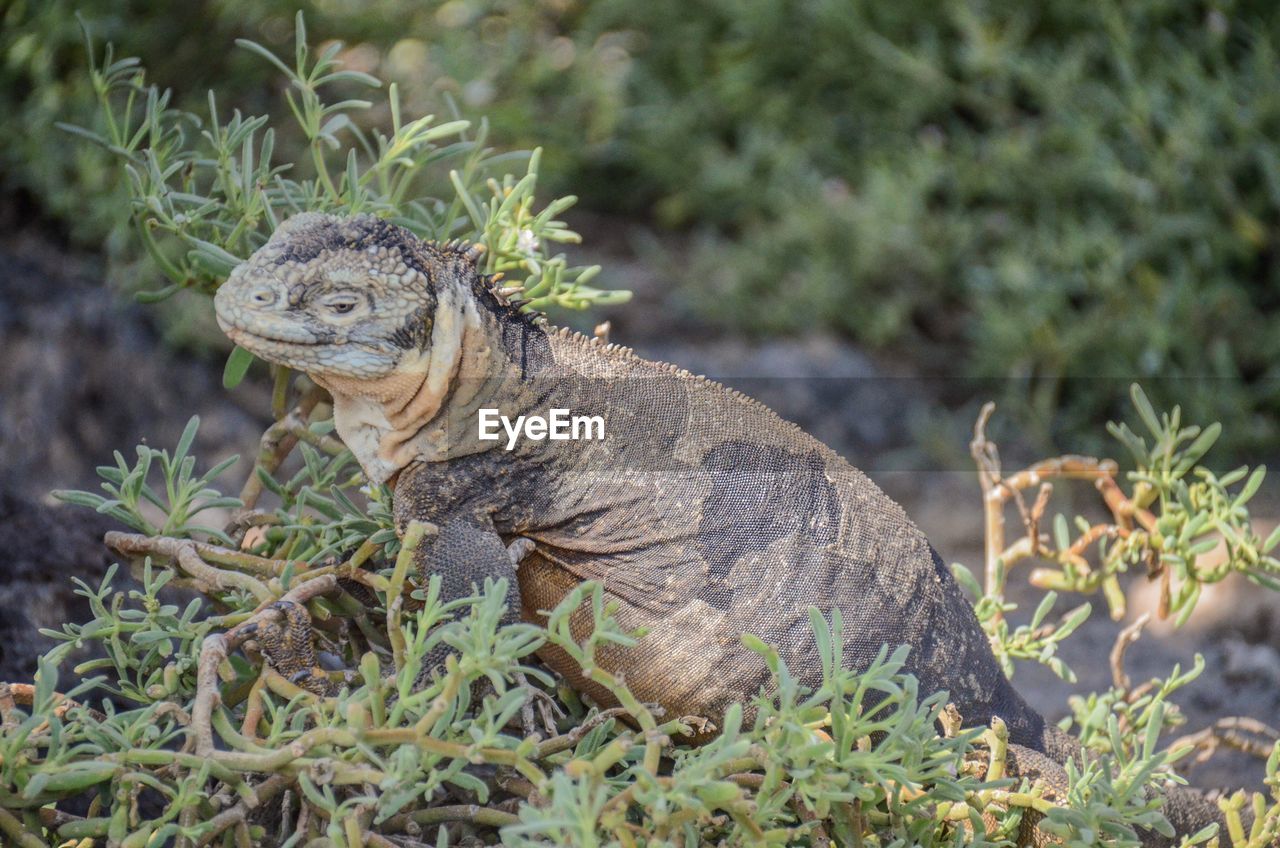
{"x":341,"y":304}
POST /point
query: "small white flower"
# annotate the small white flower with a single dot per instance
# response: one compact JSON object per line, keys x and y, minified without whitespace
{"x":527,"y":242}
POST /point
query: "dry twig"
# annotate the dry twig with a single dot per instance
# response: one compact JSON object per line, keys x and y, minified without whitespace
{"x":1231,"y":732}
{"x":1124,"y":639}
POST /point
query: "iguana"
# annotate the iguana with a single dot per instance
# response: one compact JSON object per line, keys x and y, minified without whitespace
{"x":703,"y":514}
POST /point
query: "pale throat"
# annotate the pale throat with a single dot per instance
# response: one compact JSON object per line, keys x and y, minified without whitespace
{"x":391,"y":422}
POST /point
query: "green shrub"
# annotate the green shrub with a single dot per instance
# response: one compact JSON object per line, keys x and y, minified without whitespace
{"x":44,"y":79}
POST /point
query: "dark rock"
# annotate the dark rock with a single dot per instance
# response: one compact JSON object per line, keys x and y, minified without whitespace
{"x":84,"y":374}
{"x":43,"y":547}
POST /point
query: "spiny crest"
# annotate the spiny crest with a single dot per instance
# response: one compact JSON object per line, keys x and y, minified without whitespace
{"x":470,"y":251}
{"x":506,"y":300}
{"x":593,"y":346}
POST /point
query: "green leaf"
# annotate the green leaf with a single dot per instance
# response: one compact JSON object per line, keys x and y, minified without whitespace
{"x":1251,"y":487}
{"x":1145,"y":410}
{"x":1061,"y":534}
{"x":718,"y":793}
{"x":1132,"y":442}
{"x":350,"y":76}
{"x":1188,"y":607}
{"x":214,"y":259}
{"x":1272,"y":539}
{"x":71,"y":777}
{"x":158,"y":295}
{"x":1198,"y":449}
{"x":1263,"y":580}
{"x":1077,"y":617}
{"x":89,"y":499}
{"x":1046,"y":604}
{"x":966,"y":579}
{"x":254,"y":47}
{"x":755,"y":644}
{"x":188,"y":436}
{"x":237,"y":366}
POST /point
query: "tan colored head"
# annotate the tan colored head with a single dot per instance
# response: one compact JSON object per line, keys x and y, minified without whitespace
{"x":346,"y":297}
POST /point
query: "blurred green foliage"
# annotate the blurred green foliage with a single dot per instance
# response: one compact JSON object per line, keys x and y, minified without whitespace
{"x":44,"y":78}
{"x":1029,"y":192}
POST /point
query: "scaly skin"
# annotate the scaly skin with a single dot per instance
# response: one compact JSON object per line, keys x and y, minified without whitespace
{"x":704,"y":514}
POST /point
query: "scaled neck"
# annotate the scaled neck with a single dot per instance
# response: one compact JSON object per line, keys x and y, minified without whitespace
{"x":426,"y":410}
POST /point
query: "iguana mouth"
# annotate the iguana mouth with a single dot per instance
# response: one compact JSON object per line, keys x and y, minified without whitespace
{"x":313,"y":353}
{"x":239,"y":334}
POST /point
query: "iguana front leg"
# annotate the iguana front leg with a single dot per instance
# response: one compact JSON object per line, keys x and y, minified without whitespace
{"x":464,"y":549}
{"x":457,"y":502}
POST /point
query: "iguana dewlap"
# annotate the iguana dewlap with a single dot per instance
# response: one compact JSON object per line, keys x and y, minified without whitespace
{"x":704,"y":514}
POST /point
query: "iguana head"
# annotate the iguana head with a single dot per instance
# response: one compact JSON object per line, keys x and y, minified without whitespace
{"x":341,"y":297}
{"x":367,"y":310}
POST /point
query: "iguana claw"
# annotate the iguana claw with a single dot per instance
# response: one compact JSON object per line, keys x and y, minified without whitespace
{"x":286,"y":643}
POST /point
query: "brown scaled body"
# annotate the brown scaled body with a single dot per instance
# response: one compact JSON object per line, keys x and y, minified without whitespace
{"x":703,"y":514}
